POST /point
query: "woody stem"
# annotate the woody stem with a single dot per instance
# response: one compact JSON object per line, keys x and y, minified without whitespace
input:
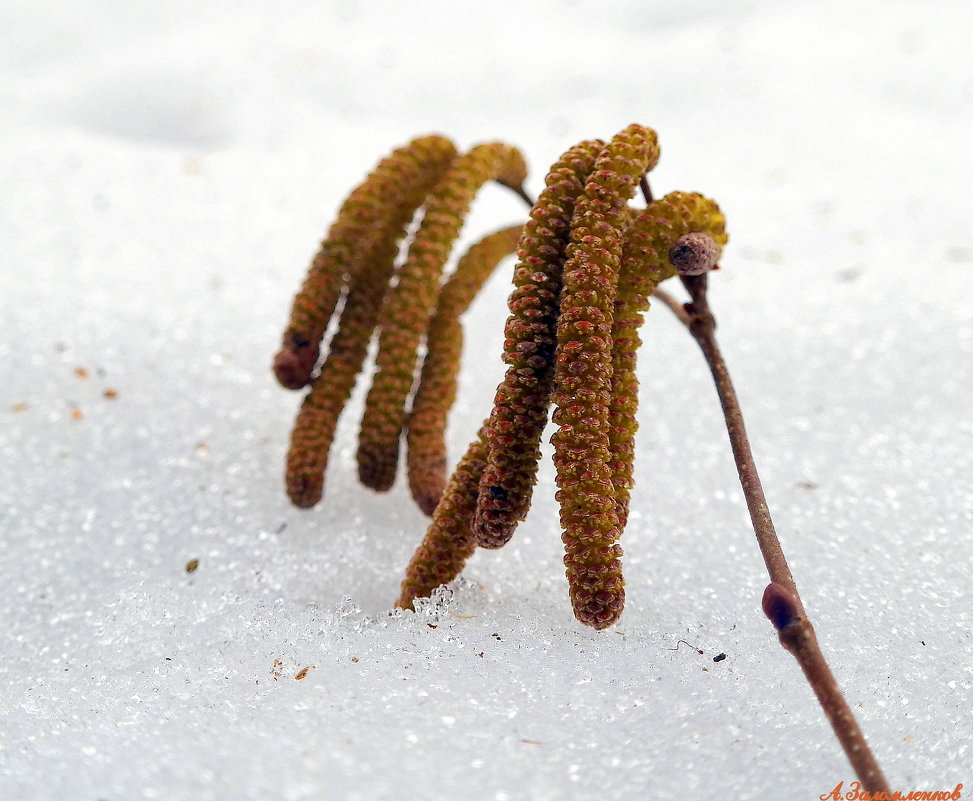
{"x":520,"y":192}
{"x":782,"y":602}
{"x":646,"y":189}
{"x":702,"y":326}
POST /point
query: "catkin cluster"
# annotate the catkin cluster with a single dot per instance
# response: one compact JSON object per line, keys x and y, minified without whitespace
{"x":520,"y":410}
{"x":357,"y":261}
{"x":587,"y":264}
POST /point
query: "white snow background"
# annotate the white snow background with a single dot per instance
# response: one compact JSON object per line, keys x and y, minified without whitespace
{"x":167,"y":172}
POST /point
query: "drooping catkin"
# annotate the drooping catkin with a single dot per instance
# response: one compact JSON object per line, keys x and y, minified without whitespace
{"x":404,"y":185}
{"x":645,"y":262}
{"x":426,"y":429}
{"x":448,"y":542}
{"x":521,"y":408}
{"x":314,"y":428}
{"x":583,"y":378}
{"x":405,"y":176}
{"x":405,"y":317}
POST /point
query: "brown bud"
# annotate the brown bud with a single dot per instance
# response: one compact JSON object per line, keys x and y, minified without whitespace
{"x":694,"y":254}
{"x":779,"y":606}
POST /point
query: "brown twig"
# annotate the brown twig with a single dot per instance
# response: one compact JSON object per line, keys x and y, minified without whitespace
{"x":702,"y":325}
{"x":646,"y":189}
{"x":522,"y":194}
{"x":781,"y":601}
{"x":797,"y":636}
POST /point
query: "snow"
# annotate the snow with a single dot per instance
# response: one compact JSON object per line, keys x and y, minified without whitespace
{"x":167,"y":172}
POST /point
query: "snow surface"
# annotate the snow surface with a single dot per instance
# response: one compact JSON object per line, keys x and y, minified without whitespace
{"x":167,"y":171}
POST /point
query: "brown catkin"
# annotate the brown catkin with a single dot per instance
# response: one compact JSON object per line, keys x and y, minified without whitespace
{"x":426,"y":429}
{"x":405,"y":317}
{"x":583,"y":378}
{"x":314,"y":428}
{"x":409,"y":172}
{"x":645,"y":262}
{"x":521,"y":407}
{"x":448,"y":542}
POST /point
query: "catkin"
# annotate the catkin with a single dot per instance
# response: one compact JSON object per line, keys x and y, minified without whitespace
{"x":521,"y":407}
{"x":448,"y":542}
{"x":404,"y":185}
{"x":405,"y":317}
{"x":645,"y":263}
{"x":405,"y":176}
{"x":426,"y":429}
{"x":583,"y":378}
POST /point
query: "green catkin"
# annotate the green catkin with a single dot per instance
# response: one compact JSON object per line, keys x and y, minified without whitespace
{"x":436,"y":391}
{"x":404,"y":185}
{"x":645,"y":264}
{"x":410,"y":172}
{"x":520,"y":410}
{"x":405,"y":317}
{"x":583,"y":378}
{"x":448,"y":542}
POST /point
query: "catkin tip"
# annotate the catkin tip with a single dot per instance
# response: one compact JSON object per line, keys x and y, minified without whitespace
{"x":448,"y":543}
{"x":427,"y":486}
{"x":305,"y":490}
{"x":492,"y":534}
{"x":377,"y":467}
{"x":293,"y":365}
{"x":600,"y":610}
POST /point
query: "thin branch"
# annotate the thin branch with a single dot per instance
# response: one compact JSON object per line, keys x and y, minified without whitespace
{"x":702,"y":326}
{"x":646,"y":189}
{"x":522,"y":194}
{"x":781,"y":602}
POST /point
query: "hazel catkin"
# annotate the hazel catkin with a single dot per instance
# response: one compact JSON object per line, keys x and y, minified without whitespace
{"x":583,"y":375}
{"x":520,"y":409}
{"x":426,"y":428}
{"x":448,"y":542}
{"x":403,"y":181}
{"x":405,"y":316}
{"x":646,"y":261}
{"x":405,"y":176}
